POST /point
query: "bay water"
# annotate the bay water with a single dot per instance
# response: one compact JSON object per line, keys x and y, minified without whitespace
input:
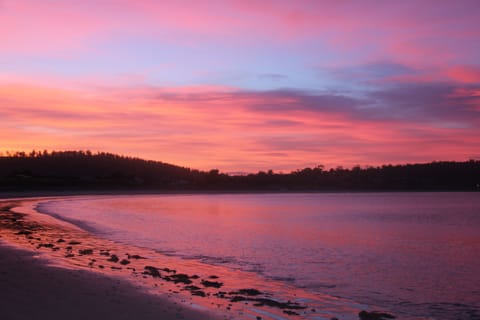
{"x":416,"y":254}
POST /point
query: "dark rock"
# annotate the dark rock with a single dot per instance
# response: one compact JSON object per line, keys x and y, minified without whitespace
{"x":85,"y":251}
{"x":45,"y":245}
{"x":113,"y":258}
{"x":24,"y":232}
{"x":179,"y":278}
{"x":169,"y":270}
{"x":237,"y":299}
{"x":124,"y":262}
{"x":192,"y":288}
{"x":60,"y":240}
{"x":74,"y":243}
{"x":213,"y":277}
{"x":135,"y":256}
{"x":198,"y":293}
{"x":289,"y":312}
{"x":213,"y":284}
{"x":374,"y":315}
{"x":248,"y":292}
{"x":69,"y":255}
{"x":104,"y":253}
{"x":151,"y":271}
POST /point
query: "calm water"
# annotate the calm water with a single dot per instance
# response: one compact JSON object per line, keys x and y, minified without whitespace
{"x":409,"y":253}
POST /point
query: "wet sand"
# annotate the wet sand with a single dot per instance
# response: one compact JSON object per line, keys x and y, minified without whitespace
{"x":32,"y":290}
{"x":32,"y":287}
{"x":52,"y":269}
{"x":52,"y":260}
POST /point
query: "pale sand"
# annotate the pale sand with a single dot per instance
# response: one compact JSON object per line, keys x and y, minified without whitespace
{"x":29,"y":289}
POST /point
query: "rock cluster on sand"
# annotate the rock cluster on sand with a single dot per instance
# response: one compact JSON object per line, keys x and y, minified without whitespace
{"x":374,"y":315}
{"x":101,"y":257}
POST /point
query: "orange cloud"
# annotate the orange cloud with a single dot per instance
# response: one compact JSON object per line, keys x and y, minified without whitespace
{"x":465,"y":74}
{"x":234,"y":130}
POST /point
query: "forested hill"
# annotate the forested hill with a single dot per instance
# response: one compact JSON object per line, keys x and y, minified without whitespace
{"x":74,"y":169}
{"x":83,"y":170}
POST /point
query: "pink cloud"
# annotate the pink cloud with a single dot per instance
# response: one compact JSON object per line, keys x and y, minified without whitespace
{"x":465,"y":74}
{"x":422,"y":102}
{"x":55,"y":29}
{"x":407,"y":32}
{"x":240,"y":130}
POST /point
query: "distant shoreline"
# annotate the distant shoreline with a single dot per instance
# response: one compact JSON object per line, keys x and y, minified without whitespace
{"x":65,"y":193}
{"x":77,"y":171}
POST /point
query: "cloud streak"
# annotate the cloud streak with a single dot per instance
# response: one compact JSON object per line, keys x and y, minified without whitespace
{"x":243,"y":85}
{"x":244,"y":130}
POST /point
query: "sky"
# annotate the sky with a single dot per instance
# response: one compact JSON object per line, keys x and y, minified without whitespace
{"x":246,"y":85}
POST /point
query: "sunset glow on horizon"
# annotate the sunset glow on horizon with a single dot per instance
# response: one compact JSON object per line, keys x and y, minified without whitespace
{"x":243,"y":86}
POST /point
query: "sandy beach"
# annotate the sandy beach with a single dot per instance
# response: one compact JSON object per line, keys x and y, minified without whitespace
{"x":36,"y":285}
{"x":33,"y":290}
{"x":52,"y":269}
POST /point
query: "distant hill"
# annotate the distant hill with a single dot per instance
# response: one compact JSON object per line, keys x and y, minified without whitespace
{"x":83,"y":170}
{"x":80,"y":169}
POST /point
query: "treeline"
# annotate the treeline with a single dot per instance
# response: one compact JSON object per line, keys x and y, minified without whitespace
{"x":84,"y":170}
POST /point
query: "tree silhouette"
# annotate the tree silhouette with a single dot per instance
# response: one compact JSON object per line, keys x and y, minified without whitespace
{"x":85,"y":170}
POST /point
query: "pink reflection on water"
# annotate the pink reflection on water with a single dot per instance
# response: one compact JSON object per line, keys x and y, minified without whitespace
{"x":380,"y":249}
{"x":67,"y":254}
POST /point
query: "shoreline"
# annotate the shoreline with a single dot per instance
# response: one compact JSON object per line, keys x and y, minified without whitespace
{"x":180,"y":288}
{"x":31,"y":289}
{"x":25,"y":195}
{"x":37,"y":285}
{"x":214,"y":291}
